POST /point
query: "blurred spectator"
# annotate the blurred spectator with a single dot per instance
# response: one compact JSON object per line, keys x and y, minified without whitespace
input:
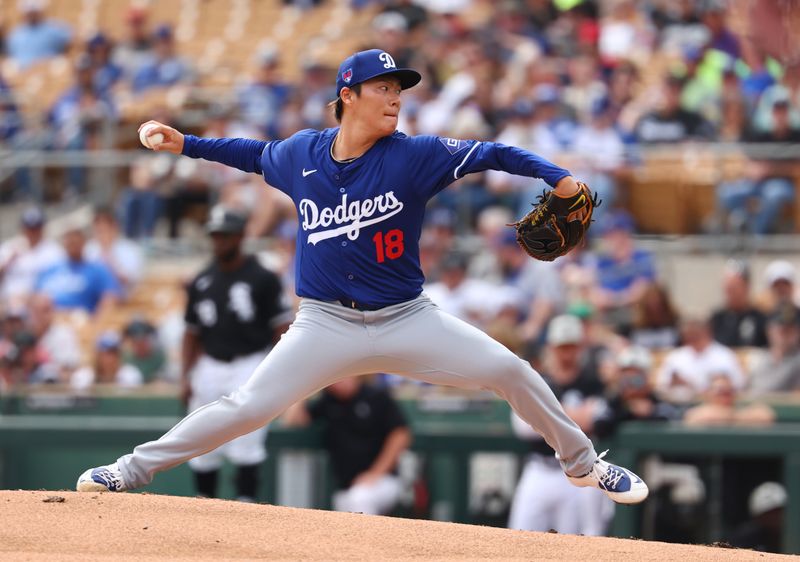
{"x":623,"y":273}
{"x":24,"y":257}
{"x":11,"y":122}
{"x":108,"y":366}
{"x":631,"y":396}
{"x":721,"y":38}
{"x":189,"y":189}
{"x":414,"y":13}
{"x":788,"y":92}
{"x":758,"y":74}
{"x":31,"y":365}
{"x":136,"y":49}
{"x":520,"y":131}
{"x":586,"y":91}
{"x":466,"y":298}
{"x":554,"y":128}
{"x":140,"y":203}
{"x":544,"y":499}
{"x":670,"y":123}
{"x":262,"y":100}
{"x":625,"y":33}
{"x":533,"y":285}
{"x":142,"y":349}
{"x":719,"y":407}
{"x":36,"y":38}
{"x":780,"y":280}
{"x":687,"y":371}
{"x":76,"y":283}
{"x":81,"y":119}
{"x":779,"y":369}
{"x":731,"y":113}
{"x":57,"y":340}
{"x":621,"y":89}
{"x":764,"y":531}
{"x":655,"y":320}
{"x":680,"y":26}
{"x":365,"y":434}
{"x":600,"y":154}
{"x":121,"y":256}
{"x":317,"y":92}
{"x":13,"y":321}
{"x":165,"y":67}
{"x":391,"y":34}
{"x":755,"y":202}
{"x":738,"y":323}
{"x":106,"y":72}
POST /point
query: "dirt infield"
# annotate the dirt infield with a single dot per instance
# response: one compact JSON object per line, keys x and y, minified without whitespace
{"x":71,"y":526}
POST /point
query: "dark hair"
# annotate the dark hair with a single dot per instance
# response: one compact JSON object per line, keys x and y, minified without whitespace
{"x":338,"y":105}
{"x":104,"y":212}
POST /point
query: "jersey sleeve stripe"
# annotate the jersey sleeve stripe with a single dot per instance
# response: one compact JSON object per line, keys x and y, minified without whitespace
{"x":464,"y":161}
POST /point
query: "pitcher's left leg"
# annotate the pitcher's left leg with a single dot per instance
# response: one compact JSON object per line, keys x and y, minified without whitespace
{"x":434,"y":346}
{"x":428,"y":344}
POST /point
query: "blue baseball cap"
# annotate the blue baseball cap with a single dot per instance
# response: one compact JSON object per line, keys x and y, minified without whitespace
{"x":364,"y":65}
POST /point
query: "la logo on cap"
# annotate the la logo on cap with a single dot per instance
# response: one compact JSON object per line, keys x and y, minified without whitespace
{"x":388,"y":61}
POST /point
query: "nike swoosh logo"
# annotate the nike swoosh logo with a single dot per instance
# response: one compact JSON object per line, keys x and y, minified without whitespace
{"x":580,"y":201}
{"x":308,"y":172}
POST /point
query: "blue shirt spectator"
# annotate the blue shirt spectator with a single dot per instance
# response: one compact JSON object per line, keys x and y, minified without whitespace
{"x":106,"y":72}
{"x":166,"y":68}
{"x":81,"y":110}
{"x":76,"y":283}
{"x":35,"y":38}
{"x":10,"y":118}
{"x":618,"y":276}
{"x":624,"y":272}
{"x":262,"y":100}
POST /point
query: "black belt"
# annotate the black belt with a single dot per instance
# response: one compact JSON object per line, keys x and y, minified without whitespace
{"x":229,"y":357}
{"x":350,"y":303}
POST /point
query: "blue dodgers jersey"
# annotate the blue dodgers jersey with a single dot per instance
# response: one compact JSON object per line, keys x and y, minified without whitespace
{"x":360,"y":223}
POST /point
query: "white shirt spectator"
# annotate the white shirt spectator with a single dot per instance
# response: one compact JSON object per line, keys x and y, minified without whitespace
{"x":24,"y":264}
{"x":599,"y":149}
{"x":124,"y":260}
{"x":474,"y":300}
{"x":697,"y":369}
{"x":60,"y":344}
{"x":128,"y":376}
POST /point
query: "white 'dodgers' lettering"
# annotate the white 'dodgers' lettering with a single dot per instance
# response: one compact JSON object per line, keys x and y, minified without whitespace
{"x":352,"y":213}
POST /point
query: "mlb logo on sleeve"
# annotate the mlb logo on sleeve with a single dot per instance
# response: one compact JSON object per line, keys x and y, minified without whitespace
{"x":453,"y":145}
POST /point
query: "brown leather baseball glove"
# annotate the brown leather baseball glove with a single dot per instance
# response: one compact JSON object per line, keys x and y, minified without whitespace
{"x":555,"y":225}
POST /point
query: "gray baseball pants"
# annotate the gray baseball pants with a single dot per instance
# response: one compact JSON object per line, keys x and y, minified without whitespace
{"x":328,"y":342}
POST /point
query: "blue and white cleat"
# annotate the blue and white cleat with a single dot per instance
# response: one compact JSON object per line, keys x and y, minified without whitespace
{"x":618,"y":483}
{"x":102,"y":479}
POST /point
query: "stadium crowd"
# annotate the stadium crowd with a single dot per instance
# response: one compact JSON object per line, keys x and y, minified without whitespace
{"x":593,"y":86}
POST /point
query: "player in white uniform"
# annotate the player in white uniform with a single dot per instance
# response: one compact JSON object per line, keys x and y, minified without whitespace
{"x":234,"y":313}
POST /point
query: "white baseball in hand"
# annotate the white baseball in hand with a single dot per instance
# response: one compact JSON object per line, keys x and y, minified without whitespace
{"x":148,"y":138}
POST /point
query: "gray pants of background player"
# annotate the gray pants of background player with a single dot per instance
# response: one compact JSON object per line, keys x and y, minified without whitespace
{"x":328,"y":342}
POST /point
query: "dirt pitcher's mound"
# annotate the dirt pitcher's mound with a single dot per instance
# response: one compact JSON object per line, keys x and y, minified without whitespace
{"x":72,"y":526}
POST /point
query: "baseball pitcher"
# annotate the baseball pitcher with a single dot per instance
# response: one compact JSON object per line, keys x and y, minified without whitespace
{"x":360,"y":190}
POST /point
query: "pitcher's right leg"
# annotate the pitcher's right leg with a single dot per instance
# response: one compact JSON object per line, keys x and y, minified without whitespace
{"x":318,"y":349}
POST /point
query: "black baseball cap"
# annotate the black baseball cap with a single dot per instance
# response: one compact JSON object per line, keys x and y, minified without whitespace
{"x":364,"y":65}
{"x":226,"y":221}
